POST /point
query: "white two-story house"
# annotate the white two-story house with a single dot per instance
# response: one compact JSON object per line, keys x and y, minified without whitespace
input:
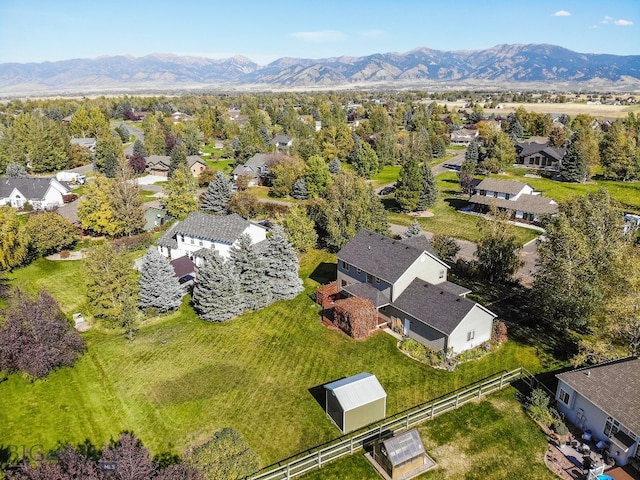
{"x":204,"y":231}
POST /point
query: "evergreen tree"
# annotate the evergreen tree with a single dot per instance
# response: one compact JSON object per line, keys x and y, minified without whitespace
{"x":429,"y":193}
{"x":178,"y":157}
{"x":414,"y":230}
{"x":409,"y":186}
{"x":249,"y":268}
{"x":216,"y":199}
{"x":472,"y":154}
{"x":159,"y":287}
{"x":438,"y":147}
{"x":573,"y":167}
{"x":465,"y":176}
{"x":299,"y":189}
{"x":335,"y":166}
{"x":138,"y":148}
{"x":216,"y":294}
{"x":15,"y":169}
{"x":281,"y":266}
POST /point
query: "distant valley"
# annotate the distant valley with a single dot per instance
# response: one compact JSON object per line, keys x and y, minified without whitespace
{"x":503,"y":67}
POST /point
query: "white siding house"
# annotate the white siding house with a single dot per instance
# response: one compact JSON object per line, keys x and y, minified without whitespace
{"x":41,"y":193}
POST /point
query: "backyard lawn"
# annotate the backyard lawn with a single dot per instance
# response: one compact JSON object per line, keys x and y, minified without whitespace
{"x":492,"y":438}
{"x":182,"y":378}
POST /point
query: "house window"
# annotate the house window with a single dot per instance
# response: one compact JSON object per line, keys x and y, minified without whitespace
{"x":369,"y":278}
{"x":471,"y":335}
{"x":359,"y":271}
{"x":200,"y":243}
{"x":345,"y":266}
{"x":441,"y":274}
{"x":564,"y":396}
{"x":192,"y":241}
{"x":507,"y":196}
{"x":182,"y":238}
{"x":377,"y":280}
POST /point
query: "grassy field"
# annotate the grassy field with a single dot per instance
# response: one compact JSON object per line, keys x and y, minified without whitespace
{"x":182,"y":378}
{"x":492,"y":438}
{"x":387,"y":175}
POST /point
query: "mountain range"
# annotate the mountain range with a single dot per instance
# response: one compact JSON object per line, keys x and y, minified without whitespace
{"x":503,"y":66}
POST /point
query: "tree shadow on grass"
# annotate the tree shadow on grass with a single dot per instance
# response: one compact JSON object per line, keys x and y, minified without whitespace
{"x":457,"y":203}
{"x":324,"y":273}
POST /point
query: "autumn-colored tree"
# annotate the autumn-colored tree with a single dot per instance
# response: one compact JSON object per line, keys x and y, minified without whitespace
{"x":50,"y":232}
{"x":180,"y":193}
{"x":13,"y":239}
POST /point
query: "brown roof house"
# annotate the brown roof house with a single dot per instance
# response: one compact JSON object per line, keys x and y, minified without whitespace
{"x":159,"y":165}
{"x":406,"y":283}
{"x":521,"y":199}
{"x":540,"y":155}
{"x":604,"y":401}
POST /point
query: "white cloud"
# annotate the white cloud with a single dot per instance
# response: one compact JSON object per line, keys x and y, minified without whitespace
{"x":562,"y":13}
{"x":320,"y":36}
{"x":373,"y":33}
{"x":623,"y":23}
{"x":606,"y":19}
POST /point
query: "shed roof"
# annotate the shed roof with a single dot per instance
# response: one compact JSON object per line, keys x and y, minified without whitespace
{"x":613,"y":387}
{"x":404,"y":447}
{"x":357,"y":390}
{"x":368,"y":291}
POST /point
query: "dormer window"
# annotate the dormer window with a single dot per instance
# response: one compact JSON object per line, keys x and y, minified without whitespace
{"x":345,"y":266}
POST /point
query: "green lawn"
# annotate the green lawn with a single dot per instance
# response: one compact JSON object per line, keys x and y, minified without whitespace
{"x":387,"y":175}
{"x":492,"y":438}
{"x":182,"y":378}
{"x":225,"y":165}
{"x":446,"y":219}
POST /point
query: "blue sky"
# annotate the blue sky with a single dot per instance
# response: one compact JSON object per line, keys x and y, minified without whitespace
{"x":50,"y":30}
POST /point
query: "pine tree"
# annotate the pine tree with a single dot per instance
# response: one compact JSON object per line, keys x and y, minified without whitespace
{"x":216,"y":199}
{"x":472,"y":154}
{"x":249,"y":268}
{"x":138,"y":148}
{"x":299,"y":189}
{"x":159,"y":287}
{"x":429,"y":193}
{"x":409,"y":186}
{"x":414,"y":230}
{"x":281,"y":266}
{"x":216,"y":294}
{"x":335,"y":166}
{"x":178,"y":158}
{"x":573,"y":167}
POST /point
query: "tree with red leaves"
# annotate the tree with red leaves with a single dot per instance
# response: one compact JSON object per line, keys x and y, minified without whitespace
{"x":36,"y":338}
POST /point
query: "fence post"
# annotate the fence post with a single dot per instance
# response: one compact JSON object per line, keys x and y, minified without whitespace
{"x":288,"y":471}
{"x":457,"y":399}
{"x":351,"y":444}
{"x":408,"y":414}
{"x":432,"y":405}
{"x":319,"y":458}
{"x":480,"y":391}
{"x":501,"y":381}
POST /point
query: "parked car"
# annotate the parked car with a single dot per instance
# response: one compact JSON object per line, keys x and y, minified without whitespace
{"x":388,"y":190}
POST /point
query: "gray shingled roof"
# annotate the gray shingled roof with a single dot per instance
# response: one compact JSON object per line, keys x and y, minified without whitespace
{"x":215,"y":228}
{"x":613,"y":387}
{"x":191,"y":159}
{"x":434,"y":305}
{"x":378,"y":255}
{"x":280,"y":139}
{"x":531,"y":148}
{"x":536,"y":204}
{"x":257,"y":161}
{"x":30,"y":188}
{"x":420,"y":242}
{"x":368,"y":291}
{"x":155,"y":160}
{"x":497,"y":185}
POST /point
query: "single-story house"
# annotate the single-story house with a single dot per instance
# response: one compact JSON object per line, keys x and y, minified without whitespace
{"x":355,"y":402}
{"x":517,"y":197}
{"x":256,"y":168}
{"x":539,"y":155}
{"x":43,"y":193}
{"x":89,"y":143}
{"x":604,"y":400}
{"x":406,"y":283}
{"x":281,"y":142}
{"x":464,"y":136}
{"x":204,"y":231}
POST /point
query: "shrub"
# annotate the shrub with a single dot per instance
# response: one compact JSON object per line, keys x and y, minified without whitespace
{"x":500,"y":332}
{"x":133,"y":242}
{"x":537,"y":405}
{"x":421,"y":352}
{"x":560,"y":428}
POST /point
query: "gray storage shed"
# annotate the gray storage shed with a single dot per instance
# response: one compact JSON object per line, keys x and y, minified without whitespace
{"x":355,"y":401}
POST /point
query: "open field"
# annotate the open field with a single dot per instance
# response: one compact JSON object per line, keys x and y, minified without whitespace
{"x":492,"y":438}
{"x":571,"y":109}
{"x":183,"y":378}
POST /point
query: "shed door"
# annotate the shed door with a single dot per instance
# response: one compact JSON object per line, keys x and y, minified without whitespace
{"x":407,"y":325}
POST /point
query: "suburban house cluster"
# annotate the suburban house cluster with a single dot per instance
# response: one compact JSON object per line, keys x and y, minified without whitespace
{"x":604,"y":401}
{"x":403,"y":284}
{"x":524,"y":203}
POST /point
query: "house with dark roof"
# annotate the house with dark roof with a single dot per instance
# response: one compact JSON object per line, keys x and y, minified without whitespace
{"x":540,"y":155}
{"x":281,"y":142}
{"x":201,"y":231}
{"x":407,"y":283}
{"x":257,"y":168}
{"x":519,"y":198}
{"x":42,"y":193}
{"x":604,"y":401}
{"x":159,"y":165}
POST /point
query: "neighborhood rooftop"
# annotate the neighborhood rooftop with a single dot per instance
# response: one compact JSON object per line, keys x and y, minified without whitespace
{"x":436,"y":306}
{"x":497,"y":185}
{"x":371,"y":252}
{"x":224,"y":228}
{"x":527,"y":203}
{"x":33,"y":187}
{"x":613,"y":387}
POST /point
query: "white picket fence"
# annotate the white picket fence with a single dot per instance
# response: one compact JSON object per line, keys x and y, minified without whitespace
{"x":357,"y":441}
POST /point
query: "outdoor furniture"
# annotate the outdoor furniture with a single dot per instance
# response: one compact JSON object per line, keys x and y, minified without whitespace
{"x":587,"y":436}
